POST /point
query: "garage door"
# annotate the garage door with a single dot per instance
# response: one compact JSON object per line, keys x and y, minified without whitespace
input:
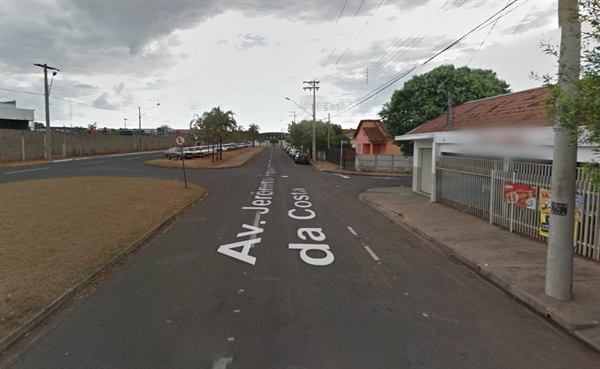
{"x":426,"y":180}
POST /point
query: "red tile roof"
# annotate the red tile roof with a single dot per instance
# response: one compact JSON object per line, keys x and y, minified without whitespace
{"x":377,"y":134}
{"x":515,"y":109}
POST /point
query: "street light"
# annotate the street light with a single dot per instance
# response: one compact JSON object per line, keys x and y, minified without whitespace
{"x":287,"y":98}
{"x":140,"y":121}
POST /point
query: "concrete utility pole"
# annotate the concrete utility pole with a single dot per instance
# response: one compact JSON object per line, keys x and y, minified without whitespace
{"x":140,"y":127}
{"x":328,"y":124}
{"x":449,"y":111}
{"x":47,"y":101}
{"x":125,"y":119}
{"x":313,"y":86}
{"x":559,"y":263}
{"x":294,"y":115}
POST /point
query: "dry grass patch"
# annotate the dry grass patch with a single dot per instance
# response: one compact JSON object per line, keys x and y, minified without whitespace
{"x":230,"y":159}
{"x":56,"y":232}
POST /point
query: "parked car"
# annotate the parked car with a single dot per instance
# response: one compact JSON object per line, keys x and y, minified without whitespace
{"x":301,"y":158}
{"x":197,"y":152}
{"x":175,"y":152}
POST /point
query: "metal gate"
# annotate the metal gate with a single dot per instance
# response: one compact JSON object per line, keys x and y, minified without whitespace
{"x":426,"y":177}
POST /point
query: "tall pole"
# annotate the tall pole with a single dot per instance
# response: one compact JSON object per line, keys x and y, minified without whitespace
{"x":559,"y":262}
{"x":125,"y":119}
{"x":328,"y":124}
{"x":313,"y":86}
{"x":47,"y":103}
{"x":140,"y":127}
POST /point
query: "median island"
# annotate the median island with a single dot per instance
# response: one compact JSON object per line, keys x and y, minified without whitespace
{"x":57,"y":232}
{"x":231,"y":159}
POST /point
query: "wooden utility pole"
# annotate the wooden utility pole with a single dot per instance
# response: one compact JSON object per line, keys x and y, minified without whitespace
{"x":47,"y":102}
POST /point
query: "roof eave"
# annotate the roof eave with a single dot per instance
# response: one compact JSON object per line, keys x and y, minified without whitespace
{"x":416,"y":136}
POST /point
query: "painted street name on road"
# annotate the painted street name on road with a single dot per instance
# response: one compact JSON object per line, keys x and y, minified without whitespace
{"x":302,"y":211}
{"x":262,"y":200}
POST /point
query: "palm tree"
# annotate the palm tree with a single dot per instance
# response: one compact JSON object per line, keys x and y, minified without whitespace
{"x":253,"y":131}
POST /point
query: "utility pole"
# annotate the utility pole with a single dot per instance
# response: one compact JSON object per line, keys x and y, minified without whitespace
{"x":125,"y":119}
{"x":449,"y":104}
{"x":313,"y":86}
{"x":294,"y":115}
{"x":47,"y":101}
{"x":328,"y":124}
{"x":559,"y":263}
{"x":140,"y":127}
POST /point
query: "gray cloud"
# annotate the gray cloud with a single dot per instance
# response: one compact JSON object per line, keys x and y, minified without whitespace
{"x":221,"y":41}
{"x":119,"y":88}
{"x":536,"y":20}
{"x":251,"y":41}
{"x":102,"y":102}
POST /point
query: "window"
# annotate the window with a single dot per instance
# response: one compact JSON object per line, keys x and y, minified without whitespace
{"x":359,"y":148}
{"x":378,"y":149}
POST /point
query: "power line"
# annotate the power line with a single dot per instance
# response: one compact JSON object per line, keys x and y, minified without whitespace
{"x":360,"y":6}
{"x":344,"y":7}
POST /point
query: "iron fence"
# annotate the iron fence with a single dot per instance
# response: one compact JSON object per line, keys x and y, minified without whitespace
{"x":476,"y":186}
{"x":333,"y":156}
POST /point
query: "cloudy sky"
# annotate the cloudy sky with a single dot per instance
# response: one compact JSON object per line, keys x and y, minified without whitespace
{"x":248,"y":56}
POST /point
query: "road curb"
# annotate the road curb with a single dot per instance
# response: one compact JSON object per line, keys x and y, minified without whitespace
{"x":511,"y":289}
{"x":27,"y":163}
{"x":227,"y":167}
{"x":29,"y":326}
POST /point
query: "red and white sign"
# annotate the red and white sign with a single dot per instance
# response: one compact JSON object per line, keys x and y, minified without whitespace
{"x":180,"y":140}
{"x":520,"y":195}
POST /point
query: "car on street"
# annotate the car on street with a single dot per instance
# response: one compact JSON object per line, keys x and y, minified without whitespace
{"x":301,"y":158}
{"x":175,"y":153}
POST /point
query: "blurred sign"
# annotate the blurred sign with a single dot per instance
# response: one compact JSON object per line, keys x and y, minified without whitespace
{"x":344,"y":142}
{"x":180,"y":140}
{"x":520,"y":195}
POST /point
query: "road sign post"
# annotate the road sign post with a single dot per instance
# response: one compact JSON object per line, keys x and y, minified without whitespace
{"x":180,"y":140}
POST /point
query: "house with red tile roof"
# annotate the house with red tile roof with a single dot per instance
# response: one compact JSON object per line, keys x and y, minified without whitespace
{"x":371,"y":137}
{"x":507,"y":128}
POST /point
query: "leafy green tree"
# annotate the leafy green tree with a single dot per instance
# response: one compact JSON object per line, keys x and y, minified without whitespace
{"x":300,"y":134}
{"x":93,"y":127}
{"x":253,"y":132}
{"x":214,"y":126}
{"x":274,"y":140}
{"x":423,"y":97}
{"x":580,"y":113}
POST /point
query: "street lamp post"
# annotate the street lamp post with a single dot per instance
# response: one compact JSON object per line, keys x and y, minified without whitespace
{"x":140,"y":115}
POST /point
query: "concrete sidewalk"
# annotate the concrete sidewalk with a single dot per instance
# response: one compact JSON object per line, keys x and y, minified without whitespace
{"x":515,"y":263}
{"x":325,"y":166}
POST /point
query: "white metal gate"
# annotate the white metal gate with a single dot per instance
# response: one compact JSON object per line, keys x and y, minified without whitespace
{"x":426,"y":177}
{"x":476,"y":186}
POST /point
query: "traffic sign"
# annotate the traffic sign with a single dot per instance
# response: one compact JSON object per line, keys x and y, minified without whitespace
{"x":344,"y":142}
{"x":180,"y":140}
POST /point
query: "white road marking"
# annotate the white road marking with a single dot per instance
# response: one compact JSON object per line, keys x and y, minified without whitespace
{"x":240,"y":291}
{"x":26,"y":170}
{"x":341,"y":175}
{"x":255,"y":224}
{"x":137,"y":157}
{"x":236,"y":311}
{"x":352,"y":231}
{"x":222,"y":363}
{"x":95,"y":162}
{"x":230,"y":339}
{"x":371,"y":253}
{"x":263,"y":222}
{"x":284,"y":176}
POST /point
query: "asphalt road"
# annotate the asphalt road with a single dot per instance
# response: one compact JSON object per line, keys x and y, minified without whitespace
{"x":282,"y":266}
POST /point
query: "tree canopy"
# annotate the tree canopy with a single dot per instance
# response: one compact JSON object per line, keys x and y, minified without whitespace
{"x":253,"y":132}
{"x":423,"y":97}
{"x":214,"y":126}
{"x":581,"y":112}
{"x":300,"y":134}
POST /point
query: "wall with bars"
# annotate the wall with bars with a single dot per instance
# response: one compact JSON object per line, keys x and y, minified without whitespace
{"x":476,"y":186}
{"x":18,"y":145}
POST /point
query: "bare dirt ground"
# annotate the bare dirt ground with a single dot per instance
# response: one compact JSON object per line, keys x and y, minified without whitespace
{"x":56,"y":232}
{"x":231,"y":159}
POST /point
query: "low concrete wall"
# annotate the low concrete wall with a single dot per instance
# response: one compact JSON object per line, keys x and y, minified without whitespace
{"x":383,"y":163}
{"x":17,"y":145}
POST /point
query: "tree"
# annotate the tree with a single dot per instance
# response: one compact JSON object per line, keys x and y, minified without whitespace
{"x":423,"y":97}
{"x":580,"y":113}
{"x":300,"y":134}
{"x":274,"y":140}
{"x":93,"y":127}
{"x":253,"y":131}
{"x":162,"y":130}
{"x":214,"y":126}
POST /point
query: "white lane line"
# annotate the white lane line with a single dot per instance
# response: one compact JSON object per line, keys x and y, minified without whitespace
{"x":341,"y":175}
{"x":26,"y":170}
{"x":255,"y":224}
{"x":284,"y":176}
{"x":95,"y":162}
{"x":371,"y":253}
{"x":137,"y":157}
{"x":222,"y":363}
{"x":353,"y":232}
